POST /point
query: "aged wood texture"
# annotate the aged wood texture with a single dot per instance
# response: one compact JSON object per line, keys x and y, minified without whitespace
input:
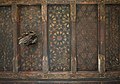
{"x":101,"y":41}
{"x":87,"y":1}
{"x":112,"y":1}
{"x":45,"y":47}
{"x":73,"y":35}
{"x":59,"y":37}
{"x":87,"y":37}
{"x":6,"y":39}
{"x":15,"y":36}
{"x":61,"y":82}
{"x":30,"y":56}
{"x":112,"y":37}
{"x":36,"y":2}
{"x":59,"y":75}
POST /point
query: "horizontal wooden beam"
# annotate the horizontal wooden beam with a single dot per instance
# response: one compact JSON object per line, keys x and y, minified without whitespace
{"x":38,"y":2}
{"x":58,"y":75}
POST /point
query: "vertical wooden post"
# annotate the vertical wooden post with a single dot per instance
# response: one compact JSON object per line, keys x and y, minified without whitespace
{"x":101,"y":56}
{"x":73,"y":35}
{"x":44,"y":27}
{"x":15,"y":37}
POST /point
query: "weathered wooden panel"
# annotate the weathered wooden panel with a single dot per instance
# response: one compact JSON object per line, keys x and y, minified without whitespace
{"x":30,"y":56}
{"x":59,"y":43}
{"x":87,"y":34}
{"x":87,"y":0}
{"x":112,"y":1}
{"x":59,"y":37}
{"x":59,"y":82}
{"x":6,"y":39}
{"x":112,"y":37}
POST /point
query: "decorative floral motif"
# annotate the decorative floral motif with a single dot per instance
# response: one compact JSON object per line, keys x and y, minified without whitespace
{"x":59,"y":37}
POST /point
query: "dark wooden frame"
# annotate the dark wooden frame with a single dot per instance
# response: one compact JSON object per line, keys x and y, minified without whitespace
{"x":73,"y":74}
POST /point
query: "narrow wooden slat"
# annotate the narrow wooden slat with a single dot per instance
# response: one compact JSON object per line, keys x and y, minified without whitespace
{"x":36,"y":2}
{"x":58,"y":75}
{"x":15,"y":46}
{"x":44,"y":27}
{"x":86,"y":2}
{"x":58,"y":1}
{"x":73,"y":36}
{"x":101,"y":30}
{"x":112,"y":1}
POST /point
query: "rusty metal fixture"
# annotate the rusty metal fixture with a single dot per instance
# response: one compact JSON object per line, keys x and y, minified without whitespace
{"x":28,"y":38}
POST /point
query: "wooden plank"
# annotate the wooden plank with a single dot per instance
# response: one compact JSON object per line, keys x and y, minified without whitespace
{"x":44,"y":27}
{"x":73,"y":36}
{"x":58,"y":75}
{"x":5,"y":2}
{"x":112,"y":1}
{"x":37,"y":2}
{"x":21,"y":75}
{"x":58,"y":1}
{"x":101,"y":41}
{"x":15,"y":37}
{"x":29,"y":2}
{"x":79,"y":81}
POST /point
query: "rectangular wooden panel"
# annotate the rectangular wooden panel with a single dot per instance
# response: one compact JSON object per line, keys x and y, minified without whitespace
{"x":87,"y":37}
{"x":6,"y":39}
{"x":59,"y":37}
{"x":30,"y":56}
{"x":112,"y":37}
